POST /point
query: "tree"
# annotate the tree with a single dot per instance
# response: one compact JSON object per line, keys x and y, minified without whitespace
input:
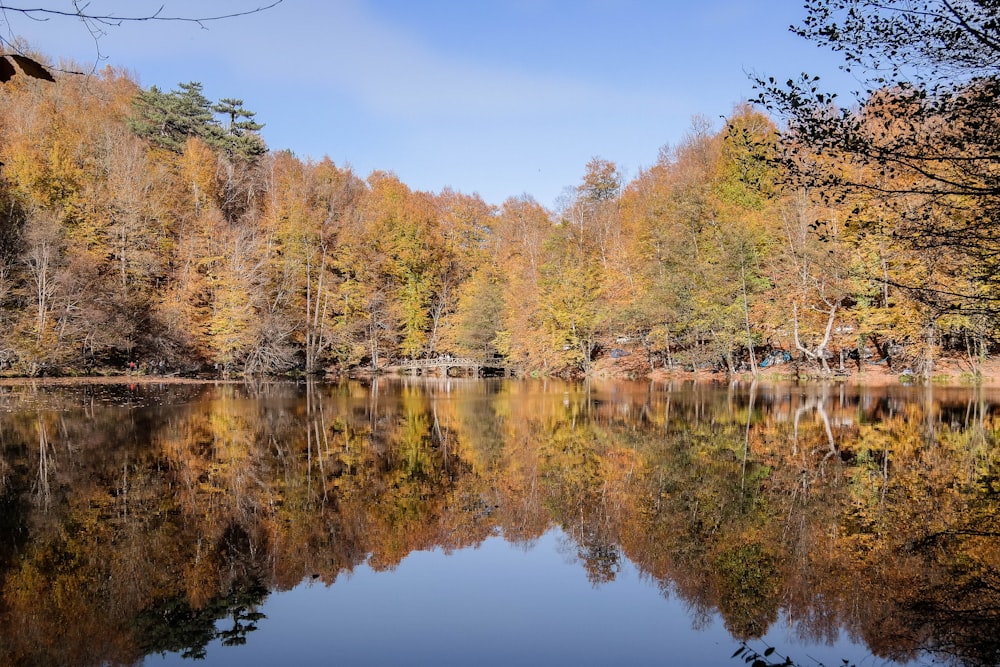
{"x":465,"y":273}
{"x":658,"y":208}
{"x":96,"y":23}
{"x":479,"y":314}
{"x":240,"y":138}
{"x":168,"y":119}
{"x":522,"y":229}
{"x":742,"y":187}
{"x":43,"y":256}
{"x":922,"y":138}
{"x":573,"y":313}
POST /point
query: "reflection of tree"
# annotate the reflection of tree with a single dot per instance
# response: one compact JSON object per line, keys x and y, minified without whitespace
{"x":601,"y":557}
{"x":14,"y":512}
{"x":163,"y":522}
{"x":768,"y":656}
{"x":173,"y":626}
{"x":573,"y":470}
{"x":750,"y":589}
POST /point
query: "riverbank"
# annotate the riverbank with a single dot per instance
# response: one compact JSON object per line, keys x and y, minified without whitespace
{"x":111,"y":379}
{"x":953,"y":372}
{"x":947,"y":372}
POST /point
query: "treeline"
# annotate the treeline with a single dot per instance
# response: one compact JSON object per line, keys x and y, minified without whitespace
{"x":156,"y":227}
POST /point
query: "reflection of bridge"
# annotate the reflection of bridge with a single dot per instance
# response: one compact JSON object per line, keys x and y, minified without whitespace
{"x":444,"y":365}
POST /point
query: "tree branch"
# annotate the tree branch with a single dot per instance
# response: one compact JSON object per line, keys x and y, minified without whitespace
{"x":40,"y":14}
{"x":95,"y":24}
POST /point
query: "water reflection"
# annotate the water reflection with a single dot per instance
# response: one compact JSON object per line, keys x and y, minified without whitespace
{"x":150,"y":519}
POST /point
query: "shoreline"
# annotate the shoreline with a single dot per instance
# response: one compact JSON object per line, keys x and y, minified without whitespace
{"x":111,"y":379}
{"x":947,"y":373}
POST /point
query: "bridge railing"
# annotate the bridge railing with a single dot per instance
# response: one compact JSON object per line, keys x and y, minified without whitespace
{"x":446,"y":361}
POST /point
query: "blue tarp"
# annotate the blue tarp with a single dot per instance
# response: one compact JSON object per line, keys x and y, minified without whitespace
{"x":776,"y":357}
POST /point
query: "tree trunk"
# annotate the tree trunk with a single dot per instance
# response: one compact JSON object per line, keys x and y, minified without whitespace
{"x":820,"y":352}
{"x":746,"y":317}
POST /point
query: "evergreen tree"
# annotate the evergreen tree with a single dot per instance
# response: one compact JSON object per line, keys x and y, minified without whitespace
{"x":168,"y":119}
{"x":240,"y":138}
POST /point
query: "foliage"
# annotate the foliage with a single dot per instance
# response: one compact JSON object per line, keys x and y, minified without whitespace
{"x":172,"y":626}
{"x":920,"y":144}
{"x":169,"y":119}
{"x":156,"y":227}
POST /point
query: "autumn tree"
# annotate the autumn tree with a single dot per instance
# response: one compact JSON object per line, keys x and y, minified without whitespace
{"x":584,"y":272}
{"x":395,"y":262}
{"x":69,"y":159}
{"x":921,"y":137}
{"x":660,"y":250}
{"x":466,"y":311}
{"x":696,"y":221}
{"x":572,"y":311}
{"x":478,"y":314}
{"x":736,"y":238}
{"x":522,"y":229}
{"x":311,"y":303}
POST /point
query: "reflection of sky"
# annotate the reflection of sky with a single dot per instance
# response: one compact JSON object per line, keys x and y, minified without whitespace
{"x":498,"y":604}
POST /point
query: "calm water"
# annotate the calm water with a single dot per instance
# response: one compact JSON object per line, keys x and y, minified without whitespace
{"x":498,"y":523}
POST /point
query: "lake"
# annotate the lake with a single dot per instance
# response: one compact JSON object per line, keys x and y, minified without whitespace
{"x":498,"y":522}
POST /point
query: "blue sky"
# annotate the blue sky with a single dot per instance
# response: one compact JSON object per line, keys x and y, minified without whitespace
{"x":499,"y":97}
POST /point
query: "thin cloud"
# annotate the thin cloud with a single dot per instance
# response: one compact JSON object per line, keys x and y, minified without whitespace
{"x":397,"y":75}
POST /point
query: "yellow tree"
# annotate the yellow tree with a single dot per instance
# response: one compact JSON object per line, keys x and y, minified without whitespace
{"x":188,"y":306}
{"x":467,"y":287}
{"x":401,"y":252}
{"x":61,"y":164}
{"x":308,"y":221}
{"x":522,"y":228}
{"x":673,"y":213}
{"x":573,"y":314}
{"x":660,"y":248}
{"x":743,"y":193}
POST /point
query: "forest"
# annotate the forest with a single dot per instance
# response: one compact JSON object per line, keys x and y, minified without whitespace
{"x":157,"y":228}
